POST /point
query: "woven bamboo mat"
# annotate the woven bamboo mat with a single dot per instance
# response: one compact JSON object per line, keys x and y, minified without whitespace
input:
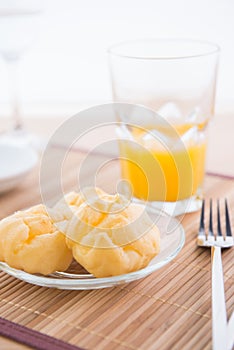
{"x":170,"y":309}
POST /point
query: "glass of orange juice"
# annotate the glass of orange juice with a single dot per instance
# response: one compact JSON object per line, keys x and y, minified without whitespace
{"x":163,"y":150}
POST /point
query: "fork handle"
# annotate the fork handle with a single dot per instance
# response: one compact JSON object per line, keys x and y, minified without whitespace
{"x":219,"y":316}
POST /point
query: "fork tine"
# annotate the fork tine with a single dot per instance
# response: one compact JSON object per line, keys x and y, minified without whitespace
{"x":211,"y":232}
{"x":202,"y":219}
{"x":228,"y":224}
{"x":219,"y":230}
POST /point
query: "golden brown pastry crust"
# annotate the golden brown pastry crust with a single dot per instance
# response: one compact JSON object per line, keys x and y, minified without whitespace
{"x":30,"y":241}
{"x":106,"y":234}
{"x":111,"y":243}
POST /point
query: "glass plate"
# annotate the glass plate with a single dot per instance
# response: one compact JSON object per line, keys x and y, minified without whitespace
{"x":76,"y":278}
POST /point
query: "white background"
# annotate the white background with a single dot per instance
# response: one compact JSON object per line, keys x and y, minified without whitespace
{"x":67,"y":66}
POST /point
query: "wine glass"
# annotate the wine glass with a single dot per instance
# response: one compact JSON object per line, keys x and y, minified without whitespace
{"x":19,"y":27}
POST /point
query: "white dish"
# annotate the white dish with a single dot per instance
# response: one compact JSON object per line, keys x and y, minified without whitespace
{"x":16,"y":162}
{"x":172,"y":241}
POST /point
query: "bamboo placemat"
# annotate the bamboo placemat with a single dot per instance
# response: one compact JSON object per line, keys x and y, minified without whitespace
{"x":30,"y":337}
{"x":170,"y":309}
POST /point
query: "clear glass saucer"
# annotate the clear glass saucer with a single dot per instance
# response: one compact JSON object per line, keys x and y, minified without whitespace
{"x":76,"y":278}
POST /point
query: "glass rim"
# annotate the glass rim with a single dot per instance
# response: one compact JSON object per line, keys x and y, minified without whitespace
{"x":214,"y":48}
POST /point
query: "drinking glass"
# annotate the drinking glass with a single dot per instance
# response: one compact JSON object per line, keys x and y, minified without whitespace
{"x":19,"y":25}
{"x":176,"y":78}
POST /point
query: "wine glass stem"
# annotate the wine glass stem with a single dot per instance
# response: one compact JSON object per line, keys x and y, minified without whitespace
{"x":13,"y":67}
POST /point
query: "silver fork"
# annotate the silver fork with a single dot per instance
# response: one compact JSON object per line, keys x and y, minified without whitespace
{"x":217,"y":241}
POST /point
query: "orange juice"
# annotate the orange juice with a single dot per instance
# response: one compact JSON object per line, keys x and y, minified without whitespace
{"x":161,"y":172}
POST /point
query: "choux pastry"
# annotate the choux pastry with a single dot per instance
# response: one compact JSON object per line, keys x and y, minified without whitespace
{"x":109,"y":236}
{"x":30,"y":241}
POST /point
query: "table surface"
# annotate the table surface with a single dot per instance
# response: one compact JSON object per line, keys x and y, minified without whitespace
{"x":170,"y":309}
